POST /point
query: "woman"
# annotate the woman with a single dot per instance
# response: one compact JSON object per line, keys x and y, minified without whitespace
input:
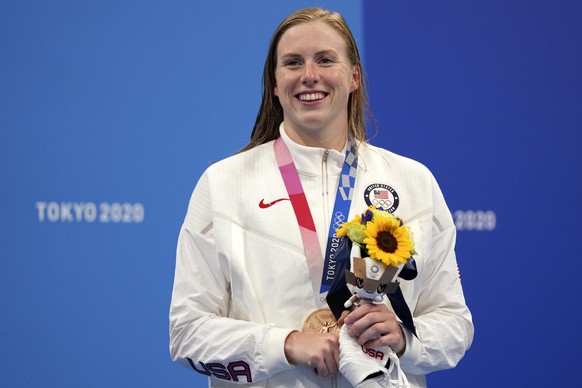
{"x":252,"y":263}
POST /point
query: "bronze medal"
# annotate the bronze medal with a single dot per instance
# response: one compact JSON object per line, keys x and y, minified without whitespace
{"x":321,"y":320}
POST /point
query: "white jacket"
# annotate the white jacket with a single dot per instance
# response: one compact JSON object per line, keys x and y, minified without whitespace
{"x":242,"y":283}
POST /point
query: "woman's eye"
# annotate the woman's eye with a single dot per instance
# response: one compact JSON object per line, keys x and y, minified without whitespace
{"x":292,"y":63}
{"x":326,"y":60}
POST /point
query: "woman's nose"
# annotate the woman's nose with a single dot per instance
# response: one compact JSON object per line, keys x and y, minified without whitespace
{"x":310,"y":75}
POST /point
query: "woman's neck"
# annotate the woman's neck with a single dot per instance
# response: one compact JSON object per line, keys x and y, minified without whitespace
{"x":322,"y":139}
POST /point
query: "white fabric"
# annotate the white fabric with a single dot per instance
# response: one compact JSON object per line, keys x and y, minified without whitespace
{"x":242,"y":285}
{"x":357,"y":364}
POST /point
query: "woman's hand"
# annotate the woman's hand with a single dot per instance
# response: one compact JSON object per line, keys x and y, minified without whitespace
{"x":319,"y":351}
{"x":374,"y":326}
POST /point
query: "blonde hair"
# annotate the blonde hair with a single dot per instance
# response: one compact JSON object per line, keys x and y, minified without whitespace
{"x":270,"y":113}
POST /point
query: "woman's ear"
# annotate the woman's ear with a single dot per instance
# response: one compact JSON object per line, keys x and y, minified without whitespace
{"x":356,"y":78}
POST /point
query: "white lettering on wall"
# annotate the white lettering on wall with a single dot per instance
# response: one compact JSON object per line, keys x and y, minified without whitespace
{"x":475,"y":220}
{"x":89,"y":212}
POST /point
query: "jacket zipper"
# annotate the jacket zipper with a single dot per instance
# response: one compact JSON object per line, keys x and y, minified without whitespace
{"x":325,"y":201}
{"x":325,"y":187}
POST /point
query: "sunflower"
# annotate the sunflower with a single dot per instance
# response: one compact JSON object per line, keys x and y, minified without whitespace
{"x":389,"y":241}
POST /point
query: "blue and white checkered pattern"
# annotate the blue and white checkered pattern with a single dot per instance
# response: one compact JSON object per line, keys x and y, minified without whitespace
{"x":348,"y":178}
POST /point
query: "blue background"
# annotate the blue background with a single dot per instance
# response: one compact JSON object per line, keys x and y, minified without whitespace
{"x":126,"y":102}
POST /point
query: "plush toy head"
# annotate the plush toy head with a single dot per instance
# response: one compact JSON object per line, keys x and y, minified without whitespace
{"x":371,"y":278}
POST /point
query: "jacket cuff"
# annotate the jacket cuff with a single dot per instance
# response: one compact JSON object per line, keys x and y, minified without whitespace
{"x":413,"y":350}
{"x":274,"y":350}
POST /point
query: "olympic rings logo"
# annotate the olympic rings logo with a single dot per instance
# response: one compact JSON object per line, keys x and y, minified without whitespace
{"x":383,"y":203}
{"x":338,"y":220}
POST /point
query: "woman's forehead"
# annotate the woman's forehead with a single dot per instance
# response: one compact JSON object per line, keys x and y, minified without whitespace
{"x":315,"y":36}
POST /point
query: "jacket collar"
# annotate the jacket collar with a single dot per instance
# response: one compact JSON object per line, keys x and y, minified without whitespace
{"x":308,"y":160}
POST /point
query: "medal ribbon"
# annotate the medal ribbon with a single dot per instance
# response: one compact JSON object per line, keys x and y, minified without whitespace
{"x":322,"y":272}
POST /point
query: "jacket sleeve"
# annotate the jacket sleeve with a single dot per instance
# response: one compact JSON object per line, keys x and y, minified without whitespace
{"x":443,"y":321}
{"x":202,"y":337}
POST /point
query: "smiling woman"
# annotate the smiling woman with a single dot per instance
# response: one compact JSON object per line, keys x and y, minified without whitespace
{"x":271,"y":111}
{"x":251,"y":275}
{"x":314,"y":79}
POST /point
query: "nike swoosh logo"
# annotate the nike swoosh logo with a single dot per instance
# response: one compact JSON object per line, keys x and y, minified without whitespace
{"x":264,"y":205}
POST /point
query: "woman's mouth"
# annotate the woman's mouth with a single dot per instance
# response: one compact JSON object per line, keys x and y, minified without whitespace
{"x":309,"y":97}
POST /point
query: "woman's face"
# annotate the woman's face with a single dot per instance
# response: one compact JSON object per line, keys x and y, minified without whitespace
{"x":314,"y":79}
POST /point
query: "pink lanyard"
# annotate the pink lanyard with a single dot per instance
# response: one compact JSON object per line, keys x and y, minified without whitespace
{"x":315,"y":260}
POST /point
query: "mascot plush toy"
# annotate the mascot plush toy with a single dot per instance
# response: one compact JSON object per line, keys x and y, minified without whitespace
{"x":382,"y":245}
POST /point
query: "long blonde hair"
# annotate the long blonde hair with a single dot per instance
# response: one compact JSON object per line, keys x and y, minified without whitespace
{"x":270,"y":113}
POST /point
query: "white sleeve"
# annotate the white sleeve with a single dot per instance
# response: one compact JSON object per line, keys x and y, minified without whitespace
{"x":201,"y":336}
{"x":443,"y":322}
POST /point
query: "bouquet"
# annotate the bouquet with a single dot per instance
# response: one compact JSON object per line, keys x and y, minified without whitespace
{"x":382,"y":245}
{"x":381,"y":236}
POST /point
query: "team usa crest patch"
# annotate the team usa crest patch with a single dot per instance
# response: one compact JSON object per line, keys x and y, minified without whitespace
{"x":381,"y":195}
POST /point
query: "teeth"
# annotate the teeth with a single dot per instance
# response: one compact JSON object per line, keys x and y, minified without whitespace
{"x":311,"y":96}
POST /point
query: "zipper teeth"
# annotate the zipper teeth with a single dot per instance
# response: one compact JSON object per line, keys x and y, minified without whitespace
{"x":325,"y":189}
{"x":325,"y":184}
